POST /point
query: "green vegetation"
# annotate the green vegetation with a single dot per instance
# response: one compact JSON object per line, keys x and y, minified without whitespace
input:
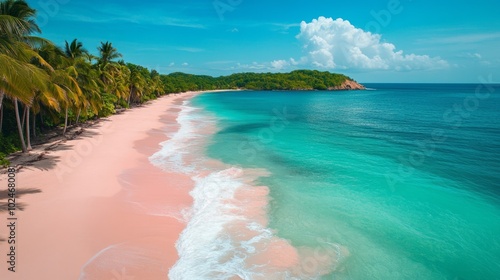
{"x":296,"y":80}
{"x":3,"y":161}
{"x":43,"y":86}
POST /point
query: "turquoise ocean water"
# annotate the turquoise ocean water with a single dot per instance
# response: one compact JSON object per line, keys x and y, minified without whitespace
{"x":404,"y":177}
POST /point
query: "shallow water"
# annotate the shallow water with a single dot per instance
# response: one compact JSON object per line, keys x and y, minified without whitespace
{"x":399,"y":182}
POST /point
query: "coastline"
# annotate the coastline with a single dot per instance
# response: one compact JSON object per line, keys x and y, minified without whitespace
{"x":227,"y":234}
{"x":96,"y":208}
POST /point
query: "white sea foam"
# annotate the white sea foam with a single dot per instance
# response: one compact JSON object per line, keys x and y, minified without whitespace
{"x":174,"y":151}
{"x":220,"y":239}
{"x":226,"y":236}
{"x":203,"y":243}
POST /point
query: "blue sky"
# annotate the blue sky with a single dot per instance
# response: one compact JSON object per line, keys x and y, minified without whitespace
{"x":371,"y":41}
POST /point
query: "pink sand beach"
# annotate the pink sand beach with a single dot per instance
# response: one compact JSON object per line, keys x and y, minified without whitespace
{"x":95,"y":207}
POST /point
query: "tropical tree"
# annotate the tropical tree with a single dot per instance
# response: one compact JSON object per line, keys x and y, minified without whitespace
{"x":67,"y":85}
{"x":80,"y":67}
{"x":115,"y":76}
{"x":107,"y":53}
{"x":137,"y":84}
{"x":121,"y":79}
{"x":19,"y":79}
{"x":156,"y":86}
{"x":65,"y":77}
{"x":16,"y":22}
{"x":88,"y":80}
{"x":74,"y":49}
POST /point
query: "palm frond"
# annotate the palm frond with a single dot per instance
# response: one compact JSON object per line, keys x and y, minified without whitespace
{"x":20,"y":80}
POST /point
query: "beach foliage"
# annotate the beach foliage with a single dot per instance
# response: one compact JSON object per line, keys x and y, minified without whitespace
{"x":4,"y":162}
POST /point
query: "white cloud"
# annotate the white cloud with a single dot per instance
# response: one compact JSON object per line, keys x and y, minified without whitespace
{"x":253,"y":66}
{"x":473,"y":55}
{"x":185,"y":64}
{"x":338,"y":44}
{"x":234,"y":30}
{"x":279,"y":64}
{"x":283,"y":64}
{"x":284,"y":28}
{"x":171,"y":64}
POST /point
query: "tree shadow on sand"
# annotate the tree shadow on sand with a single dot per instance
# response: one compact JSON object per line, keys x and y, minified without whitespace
{"x":4,"y":206}
{"x":37,"y":159}
{"x":4,"y":195}
{"x":42,"y":158}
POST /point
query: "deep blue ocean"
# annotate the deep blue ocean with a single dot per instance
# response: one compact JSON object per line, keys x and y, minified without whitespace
{"x":403,"y":180}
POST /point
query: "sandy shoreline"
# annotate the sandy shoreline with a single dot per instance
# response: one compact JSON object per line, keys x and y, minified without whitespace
{"x":95,"y":208}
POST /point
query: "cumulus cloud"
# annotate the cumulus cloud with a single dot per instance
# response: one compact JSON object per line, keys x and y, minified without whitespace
{"x":283,"y":64}
{"x":254,"y":66}
{"x":337,"y":43}
{"x":474,"y":55}
{"x":279,"y":64}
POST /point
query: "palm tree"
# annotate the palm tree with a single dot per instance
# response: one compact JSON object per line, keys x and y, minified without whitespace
{"x":137,"y":84}
{"x":19,"y":81}
{"x":83,"y":73}
{"x":17,"y":19}
{"x":18,"y":78}
{"x":48,"y":98}
{"x":64,"y":79}
{"x":74,"y":50}
{"x":110,"y":72}
{"x":121,"y":77}
{"x":107,"y":54}
{"x":156,"y":85}
{"x":88,"y":80}
{"x":70,"y":90}
{"x":16,"y":22}
{"x":114,"y":76}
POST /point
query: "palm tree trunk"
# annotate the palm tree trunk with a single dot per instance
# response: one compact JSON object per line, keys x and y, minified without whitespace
{"x":2,"y":94}
{"x":41,"y":120}
{"x":28,"y":136}
{"x":130,"y":95}
{"x":78,"y":115}
{"x":65,"y":121}
{"x":19,"y":126}
{"x":24,"y":117}
{"x":34,"y":125}
{"x":1,"y":119}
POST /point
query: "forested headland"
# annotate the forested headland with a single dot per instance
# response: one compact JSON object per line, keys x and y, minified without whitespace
{"x":295,"y":80}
